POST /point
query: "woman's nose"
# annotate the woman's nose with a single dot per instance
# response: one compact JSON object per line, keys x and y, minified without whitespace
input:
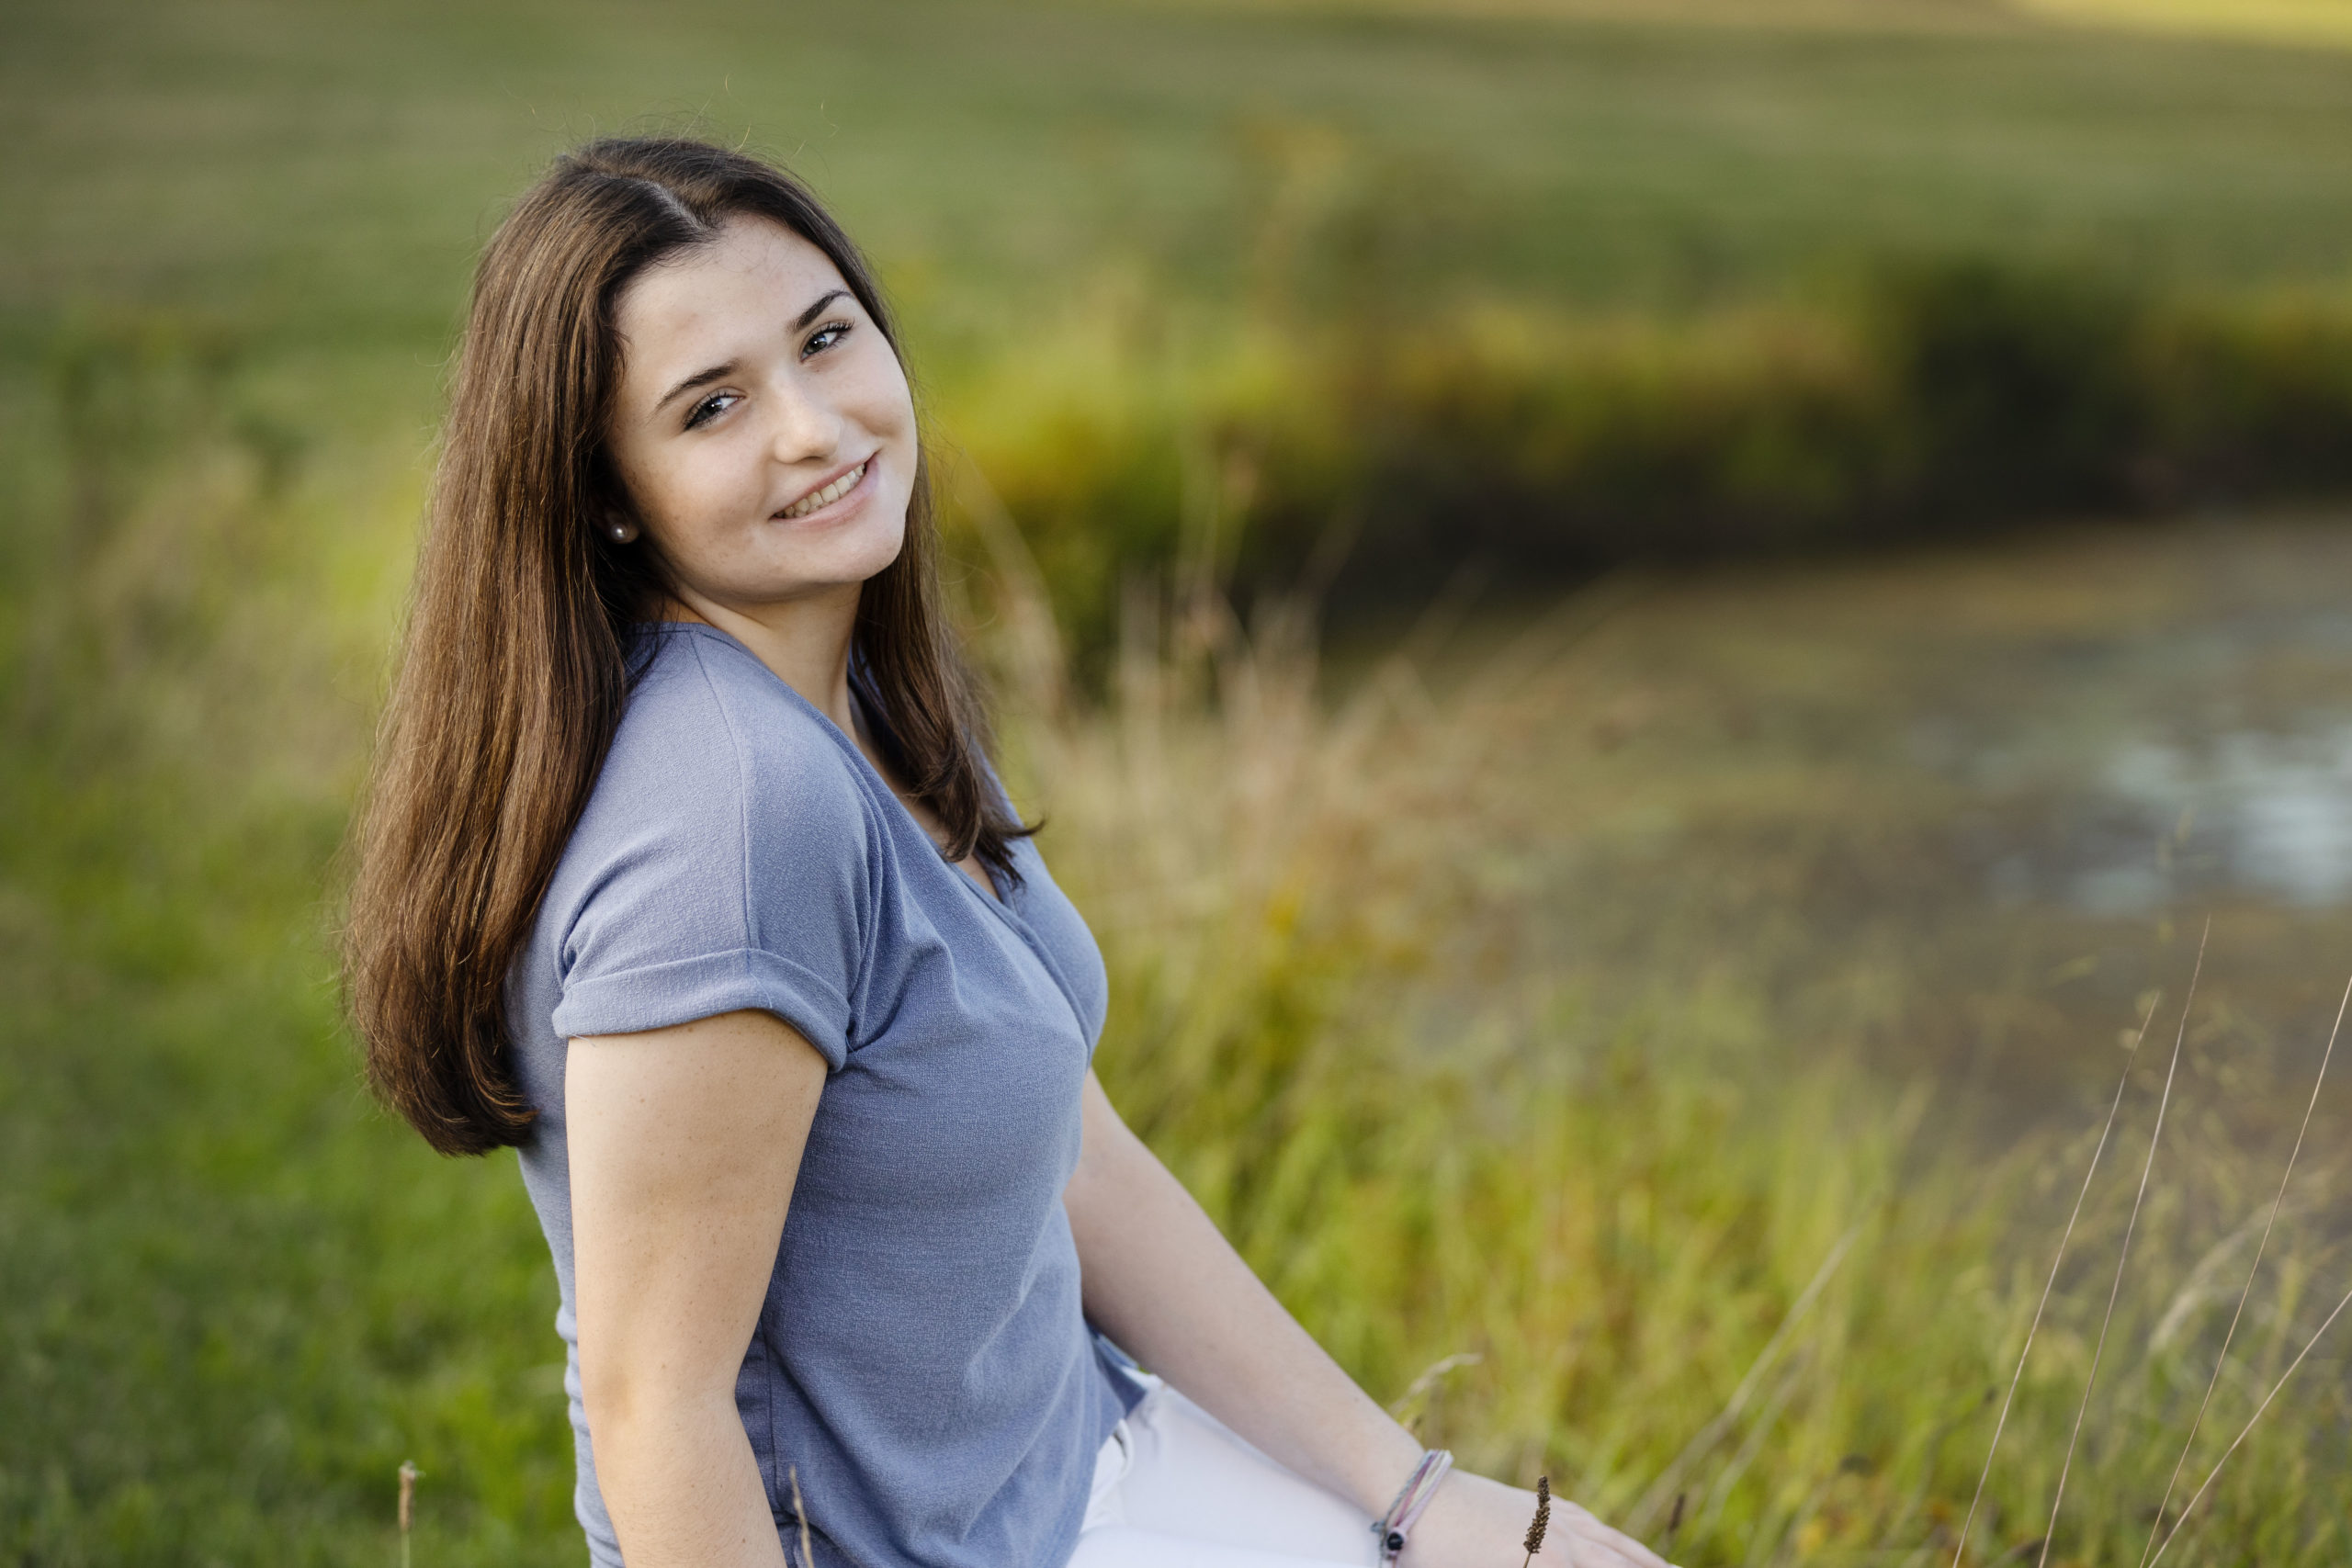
{"x":805,"y":426}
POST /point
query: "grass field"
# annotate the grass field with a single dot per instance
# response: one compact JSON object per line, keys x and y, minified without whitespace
{"x":1107,"y":208}
{"x":323,"y":174}
{"x":234,"y":1298}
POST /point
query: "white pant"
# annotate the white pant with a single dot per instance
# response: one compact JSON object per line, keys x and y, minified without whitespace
{"x":1174,"y":1487}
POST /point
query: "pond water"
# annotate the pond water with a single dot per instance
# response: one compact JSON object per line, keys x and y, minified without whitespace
{"x":2203,"y":754}
{"x":2275,"y":812}
{"x":1966,"y":808}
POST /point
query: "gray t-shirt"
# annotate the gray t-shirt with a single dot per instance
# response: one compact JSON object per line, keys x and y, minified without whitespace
{"x":921,"y":1359}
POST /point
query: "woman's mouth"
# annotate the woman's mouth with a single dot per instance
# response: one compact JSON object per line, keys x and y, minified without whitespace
{"x":829,"y":494}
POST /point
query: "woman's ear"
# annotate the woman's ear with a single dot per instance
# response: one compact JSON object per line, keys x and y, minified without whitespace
{"x":612,"y":516}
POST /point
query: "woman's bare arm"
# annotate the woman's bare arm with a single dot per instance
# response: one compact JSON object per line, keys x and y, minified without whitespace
{"x":1164,"y":1284}
{"x":684,"y":1143}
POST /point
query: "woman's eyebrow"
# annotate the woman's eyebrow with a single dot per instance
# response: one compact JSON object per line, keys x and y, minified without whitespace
{"x":720,"y":372}
{"x":809,"y":314}
{"x":699,"y":379}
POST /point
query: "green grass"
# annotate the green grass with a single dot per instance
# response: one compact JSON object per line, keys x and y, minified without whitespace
{"x":238,"y":1298}
{"x":234,"y":1298}
{"x":327,"y":172}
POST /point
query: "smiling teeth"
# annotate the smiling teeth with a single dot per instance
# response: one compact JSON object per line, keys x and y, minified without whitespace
{"x":827,"y":496}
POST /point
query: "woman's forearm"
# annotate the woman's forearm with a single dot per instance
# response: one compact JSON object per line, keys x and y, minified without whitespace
{"x":680,"y":1482}
{"x":1163,"y":1282}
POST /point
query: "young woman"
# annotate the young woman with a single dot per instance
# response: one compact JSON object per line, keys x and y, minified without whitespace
{"x":685,"y":872}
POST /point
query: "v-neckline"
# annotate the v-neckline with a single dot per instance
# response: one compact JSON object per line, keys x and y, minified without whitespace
{"x":989,"y":892}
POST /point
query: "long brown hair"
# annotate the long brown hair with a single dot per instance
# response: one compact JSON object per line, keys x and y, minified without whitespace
{"x":517,"y":658}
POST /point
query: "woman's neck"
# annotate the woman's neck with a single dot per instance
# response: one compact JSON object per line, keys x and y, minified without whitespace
{"x":806,"y":641}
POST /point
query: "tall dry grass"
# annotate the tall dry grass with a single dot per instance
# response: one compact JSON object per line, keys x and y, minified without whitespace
{"x":1744,"y":1295}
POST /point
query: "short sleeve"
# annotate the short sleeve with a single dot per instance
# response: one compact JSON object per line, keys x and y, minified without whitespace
{"x":723,"y":862}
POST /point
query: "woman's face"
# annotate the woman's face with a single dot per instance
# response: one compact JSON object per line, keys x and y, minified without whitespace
{"x":763,"y":426}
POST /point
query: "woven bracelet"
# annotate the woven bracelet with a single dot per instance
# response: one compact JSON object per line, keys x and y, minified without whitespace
{"x":1396,"y":1527}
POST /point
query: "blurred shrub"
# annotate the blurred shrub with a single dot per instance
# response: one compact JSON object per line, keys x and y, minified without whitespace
{"x":1545,"y":447}
{"x":2008,"y":391}
{"x":1945,"y":397}
{"x":2247,"y":399}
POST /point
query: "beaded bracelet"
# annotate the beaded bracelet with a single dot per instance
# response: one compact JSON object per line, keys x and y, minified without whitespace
{"x":1396,"y":1525}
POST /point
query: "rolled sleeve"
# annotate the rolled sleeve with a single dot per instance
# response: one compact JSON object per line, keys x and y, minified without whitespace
{"x":659,"y":996}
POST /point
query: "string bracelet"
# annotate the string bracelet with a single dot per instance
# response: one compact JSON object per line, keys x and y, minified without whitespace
{"x":1396,"y":1527}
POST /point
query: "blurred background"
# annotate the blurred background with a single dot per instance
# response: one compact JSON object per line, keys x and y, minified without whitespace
{"x":1651,"y":632}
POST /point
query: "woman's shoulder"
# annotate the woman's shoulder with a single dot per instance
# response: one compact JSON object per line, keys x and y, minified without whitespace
{"x":713,"y":741}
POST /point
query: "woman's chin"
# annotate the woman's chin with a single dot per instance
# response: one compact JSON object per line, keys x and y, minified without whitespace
{"x":810,"y":581}
{"x":813,"y":564}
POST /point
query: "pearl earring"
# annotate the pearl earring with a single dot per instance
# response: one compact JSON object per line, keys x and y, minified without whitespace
{"x":622,"y":533}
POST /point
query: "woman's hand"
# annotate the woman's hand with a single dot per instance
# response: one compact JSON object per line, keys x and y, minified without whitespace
{"x":1476,"y":1523}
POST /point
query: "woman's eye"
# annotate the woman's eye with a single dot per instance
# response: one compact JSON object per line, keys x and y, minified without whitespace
{"x":824,"y":337}
{"x":709,"y":408}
